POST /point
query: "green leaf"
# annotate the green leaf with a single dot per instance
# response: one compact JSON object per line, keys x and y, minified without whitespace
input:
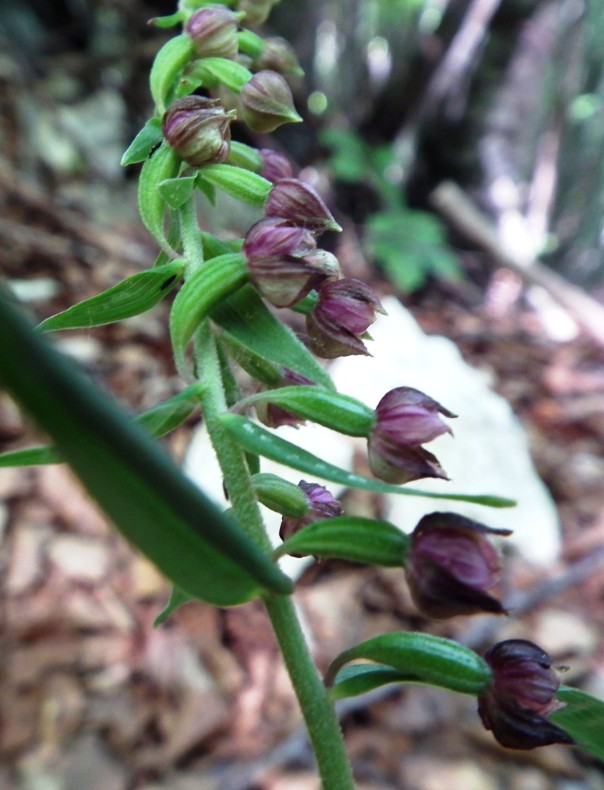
{"x":157,"y":421}
{"x":144,"y":142}
{"x":159,"y":510}
{"x":254,"y":439}
{"x":176,"y":191}
{"x":200,"y":294}
{"x":166,"y":22}
{"x":162,"y":165}
{"x":251,"y":44}
{"x":350,"y":538}
{"x":251,"y":324}
{"x":177,"y":599}
{"x":237,"y":182}
{"x":358,"y":679}
{"x":582,"y":719}
{"x":167,"y":68}
{"x":419,"y":658}
{"x":230,"y":73}
{"x":131,"y":297}
{"x":339,"y":412}
{"x":241,"y":155}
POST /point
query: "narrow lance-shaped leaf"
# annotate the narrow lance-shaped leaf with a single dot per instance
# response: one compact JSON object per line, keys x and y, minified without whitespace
{"x":177,"y":599}
{"x":350,"y":538}
{"x":176,"y":191}
{"x":582,"y":718}
{"x":158,"y":421}
{"x":249,"y":322}
{"x":243,"y":185}
{"x":419,"y":658}
{"x":144,"y":142}
{"x":167,"y":67}
{"x":136,"y":483}
{"x":254,"y":439}
{"x":161,"y":165}
{"x":207,"y":287}
{"x":232,"y":74}
{"x":131,"y":297}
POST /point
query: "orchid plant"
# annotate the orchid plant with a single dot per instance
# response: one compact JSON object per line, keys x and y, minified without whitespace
{"x":215,"y":74}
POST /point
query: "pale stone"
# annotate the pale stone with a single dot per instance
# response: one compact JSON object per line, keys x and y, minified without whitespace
{"x":80,"y":558}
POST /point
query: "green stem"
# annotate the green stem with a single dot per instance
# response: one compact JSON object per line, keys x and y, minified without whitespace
{"x":191,"y":237}
{"x":317,"y":709}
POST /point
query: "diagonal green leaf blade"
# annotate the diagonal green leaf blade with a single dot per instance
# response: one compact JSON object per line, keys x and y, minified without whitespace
{"x":163,"y":164}
{"x":255,"y":439}
{"x":137,"y":484}
{"x":582,"y":719}
{"x":131,"y":297}
{"x":167,"y":67}
{"x":144,"y":142}
{"x":357,"y":679}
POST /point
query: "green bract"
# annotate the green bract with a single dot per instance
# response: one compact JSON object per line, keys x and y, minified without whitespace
{"x":163,"y":164}
{"x":167,"y":68}
{"x":243,"y":185}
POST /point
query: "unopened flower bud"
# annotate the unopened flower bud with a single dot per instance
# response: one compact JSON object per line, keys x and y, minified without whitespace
{"x":267,"y":102}
{"x":275,"y":165}
{"x":213,"y":30}
{"x":279,"y":56}
{"x":299,"y":203}
{"x":283,"y":262}
{"x":199,"y":130}
{"x":405,"y":419}
{"x":345,"y":310}
{"x":521,"y":694}
{"x":451,"y":566}
{"x":321,"y":504}
{"x":256,"y":11}
{"x":274,"y":416}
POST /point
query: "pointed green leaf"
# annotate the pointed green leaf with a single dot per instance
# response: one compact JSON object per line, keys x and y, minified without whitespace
{"x":582,"y":719}
{"x":332,"y":409}
{"x":350,"y":538}
{"x":177,"y":599}
{"x":358,"y":679}
{"x":31,"y":456}
{"x":144,"y":142}
{"x":243,"y":185}
{"x":176,"y":191}
{"x":230,"y":73}
{"x":257,"y":440}
{"x":167,"y":68}
{"x":131,"y":297}
{"x":251,"y":324}
{"x":200,"y":294}
{"x":157,"y":508}
{"x":161,"y":165}
{"x":165,"y":22}
{"x":419,"y":658}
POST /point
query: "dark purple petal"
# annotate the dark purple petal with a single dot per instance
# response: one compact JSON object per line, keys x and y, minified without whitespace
{"x":300,"y":204}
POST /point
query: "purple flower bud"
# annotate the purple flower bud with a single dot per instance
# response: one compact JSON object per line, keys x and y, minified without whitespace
{"x":275,"y":165}
{"x":275,"y":416}
{"x":213,"y":30}
{"x":405,"y":419}
{"x":199,"y":130}
{"x":521,"y":694}
{"x":283,"y":261}
{"x":279,"y":56}
{"x":299,"y":203}
{"x":451,"y":565}
{"x":256,"y":11}
{"x":321,"y":504}
{"x":345,"y":310}
{"x":267,"y":102}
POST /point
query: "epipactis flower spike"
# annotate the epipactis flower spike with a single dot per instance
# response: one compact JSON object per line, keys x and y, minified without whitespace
{"x":521,"y":694}
{"x":301,"y":204}
{"x":452,"y":565}
{"x":199,"y":130}
{"x":266,"y":102}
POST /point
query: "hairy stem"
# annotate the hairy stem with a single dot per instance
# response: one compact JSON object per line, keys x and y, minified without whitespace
{"x":319,"y":715}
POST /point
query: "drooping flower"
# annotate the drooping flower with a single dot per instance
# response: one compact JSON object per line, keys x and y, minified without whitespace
{"x":278,"y":55}
{"x":405,"y":419}
{"x":302,"y":205}
{"x":451,"y":566}
{"x":266,"y":102}
{"x":321,"y":504}
{"x":345,"y":310}
{"x":213,"y":31}
{"x":284,"y":262}
{"x":199,"y":130}
{"x":522,"y":693}
{"x":256,"y":11}
{"x":275,"y":165}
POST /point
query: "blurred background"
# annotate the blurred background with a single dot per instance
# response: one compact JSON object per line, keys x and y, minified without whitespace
{"x":460,"y":143}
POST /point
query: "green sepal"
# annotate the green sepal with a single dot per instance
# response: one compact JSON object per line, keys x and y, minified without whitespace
{"x":176,"y":191}
{"x":243,"y":185}
{"x":242,"y":155}
{"x":177,"y":599}
{"x":154,"y":505}
{"x":280,"y":495}
{"x":133,"y":296}
{"x":166,"y":22}
{"x":254,"y":439}
{"x":144,"y":142}
{"x":157,"y":421}
{"x":201,"y":293}
{"x":167,"y":68}
{"x":582,"y":719}
{"x":350,"y":538}
{"x":419,"y":658}
{"x":251,"y":44}
{"x":339,"y":412}
{"x":163,"y":164}
{"x":230,"y":73}
{"x":251,"y":324}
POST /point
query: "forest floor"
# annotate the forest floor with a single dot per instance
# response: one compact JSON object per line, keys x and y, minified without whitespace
{"x":94,"y":697}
